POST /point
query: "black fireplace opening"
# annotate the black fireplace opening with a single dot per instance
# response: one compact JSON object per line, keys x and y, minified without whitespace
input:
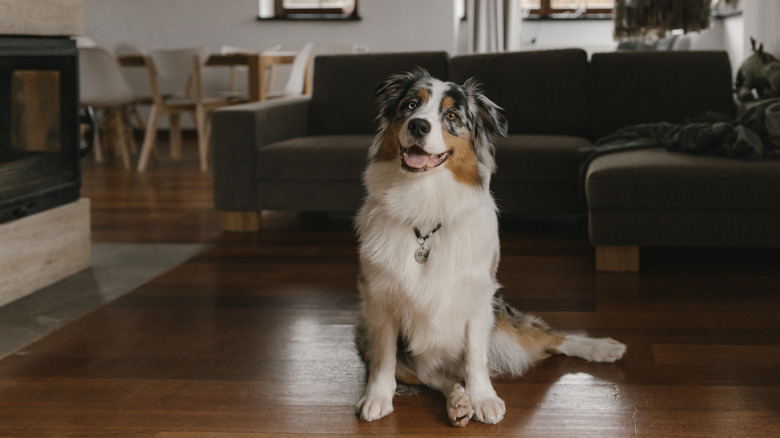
{"x":39,"y":128}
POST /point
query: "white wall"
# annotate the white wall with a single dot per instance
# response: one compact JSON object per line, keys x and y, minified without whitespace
{"x":386,"y":25}
{"x":596,"y":35}
{"x":761,"y":18}
{"x":128,"y":26}
{"x":591,"y":35}
{"x":131,"y":25}
{"x":724,"y":34}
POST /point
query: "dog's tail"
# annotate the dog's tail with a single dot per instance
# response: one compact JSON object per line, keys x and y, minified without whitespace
{"x":520,"y":340}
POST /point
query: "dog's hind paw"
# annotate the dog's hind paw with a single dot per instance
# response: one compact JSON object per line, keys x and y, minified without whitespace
{"x":489,"y":411}
{"x":459,"y":408}
{"x":592,"y":349}
{"x":371,"y":408}
{"x":607,"y":350}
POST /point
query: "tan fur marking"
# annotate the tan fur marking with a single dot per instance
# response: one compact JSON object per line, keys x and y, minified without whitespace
{"x":424,"y":95}
{"x":538,"y":341}
{"x":447,"y":103}
{"x":463,"y":162}
{"x":390,"y":149}
{"x":558,"y":339}
{"x":404,"y":376}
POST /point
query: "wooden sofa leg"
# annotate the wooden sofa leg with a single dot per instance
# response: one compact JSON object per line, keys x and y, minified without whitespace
{"x":240,"y":221}
{"x":617,"y":258}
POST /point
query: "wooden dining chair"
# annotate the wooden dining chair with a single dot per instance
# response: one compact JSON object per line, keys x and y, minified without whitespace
{"x":235,"y":93}
{"x":181,"y":68}
{"x":296,"y":81}
{"x":103,"y":87}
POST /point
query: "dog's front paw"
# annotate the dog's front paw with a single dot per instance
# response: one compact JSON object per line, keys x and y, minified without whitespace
{"x":607,"y":350}
{"x":490,"y":410}
{"x":371,"y":407}
{"x":459,"y":408}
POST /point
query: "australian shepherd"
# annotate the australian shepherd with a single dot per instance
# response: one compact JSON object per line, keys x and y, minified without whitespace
{"x":432,"y":312}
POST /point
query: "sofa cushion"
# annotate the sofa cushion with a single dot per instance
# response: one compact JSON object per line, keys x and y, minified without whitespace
{"x":538,"y":198}
{"x":655,"y":179}
{"x":314,"y":158}
{"x":537,"y":174}
{"x":541,"y":92}
{"x":331,"y":196}
{"x":343,"y":85}
{"x":660,"y":198}
{"x":628,"y":88}
{"x":538,"y":158}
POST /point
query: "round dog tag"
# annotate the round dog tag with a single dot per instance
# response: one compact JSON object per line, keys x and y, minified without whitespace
{"x":421,"y":255}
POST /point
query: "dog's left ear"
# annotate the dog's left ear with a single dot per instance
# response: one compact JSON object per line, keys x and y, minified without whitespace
{"x":390,"y":91}
{"x":489,"y":124}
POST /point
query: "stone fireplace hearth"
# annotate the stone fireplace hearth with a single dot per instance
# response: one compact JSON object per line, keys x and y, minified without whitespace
{"x":44,"y":226}
{"x":39,"y":131}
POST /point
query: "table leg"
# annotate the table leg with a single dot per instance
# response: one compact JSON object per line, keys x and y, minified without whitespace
{"x":256,"y":79}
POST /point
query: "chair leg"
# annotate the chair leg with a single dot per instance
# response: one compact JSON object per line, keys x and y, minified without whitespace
{"x":208,"y":135}
{"x":96,"y":141}
{"x":175,"y":135}
{"x":137,"y":117}
{"x":203,"y":141}
{"x":141,"y":125}
{"x":119,"y":135}
{"x":132,"y":144}
{"x":149,"y":137}
{"x":271,"y":78}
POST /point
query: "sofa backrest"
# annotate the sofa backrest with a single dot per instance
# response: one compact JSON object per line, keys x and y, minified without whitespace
{"x":541,"y":92}
{"x":341,"y":100}
{"x":629,"y":88}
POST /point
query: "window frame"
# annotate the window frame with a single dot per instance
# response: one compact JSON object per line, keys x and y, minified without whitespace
{"x":282,"y":12}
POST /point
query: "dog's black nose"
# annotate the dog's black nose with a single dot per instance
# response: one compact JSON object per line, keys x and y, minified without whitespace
{"x":419,"y":128}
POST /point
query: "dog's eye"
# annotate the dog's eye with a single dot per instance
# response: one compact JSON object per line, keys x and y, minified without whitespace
{"x":451,"y":115}
{"x":412,"y":104}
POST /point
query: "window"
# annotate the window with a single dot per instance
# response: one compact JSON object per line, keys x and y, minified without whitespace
{"x":567,"y":8}
{"x":315,"y":9}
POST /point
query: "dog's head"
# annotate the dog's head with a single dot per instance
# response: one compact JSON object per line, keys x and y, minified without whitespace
{"x":428,"y":125}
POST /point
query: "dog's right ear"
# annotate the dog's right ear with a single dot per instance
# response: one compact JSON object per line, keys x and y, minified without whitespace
{"x":389,"y":92}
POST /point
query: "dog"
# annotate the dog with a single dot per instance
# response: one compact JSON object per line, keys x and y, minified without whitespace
{"x":432,"y":312}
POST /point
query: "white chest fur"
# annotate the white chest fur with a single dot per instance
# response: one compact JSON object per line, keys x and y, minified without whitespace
{"x":433,"y":300}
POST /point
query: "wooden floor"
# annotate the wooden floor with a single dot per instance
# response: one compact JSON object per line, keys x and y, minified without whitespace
{"x":253,"y":337}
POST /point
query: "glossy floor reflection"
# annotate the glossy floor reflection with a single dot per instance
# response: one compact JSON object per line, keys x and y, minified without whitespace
{"x":115,"y":269}
{"x":253,"y":335}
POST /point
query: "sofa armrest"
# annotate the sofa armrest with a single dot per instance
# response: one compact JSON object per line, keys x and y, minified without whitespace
{"x":236,"y":135}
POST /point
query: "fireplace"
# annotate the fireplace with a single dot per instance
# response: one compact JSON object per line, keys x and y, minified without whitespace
{"x":39,"y":128}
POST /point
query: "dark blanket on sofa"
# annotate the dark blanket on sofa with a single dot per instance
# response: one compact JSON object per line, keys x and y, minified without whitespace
{"x":753,"y":136}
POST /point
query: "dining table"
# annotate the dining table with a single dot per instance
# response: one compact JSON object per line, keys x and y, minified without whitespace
{"x":261,"y":66}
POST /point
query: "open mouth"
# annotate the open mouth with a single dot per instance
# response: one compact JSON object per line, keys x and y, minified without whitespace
{"x":414,"y":159}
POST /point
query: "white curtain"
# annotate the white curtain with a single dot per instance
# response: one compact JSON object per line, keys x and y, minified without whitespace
{"x":493,"y":25}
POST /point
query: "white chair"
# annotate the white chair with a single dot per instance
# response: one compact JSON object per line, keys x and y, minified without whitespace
{"x":297,"y":81}
{"x":102,"y":86}
{"x":683,"y":43}
{"x":234,"y":93}
{"x":84,"y":41}
{"x":181,"y":67}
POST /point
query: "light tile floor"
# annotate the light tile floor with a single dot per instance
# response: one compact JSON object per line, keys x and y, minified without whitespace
{"x":116,"y":269}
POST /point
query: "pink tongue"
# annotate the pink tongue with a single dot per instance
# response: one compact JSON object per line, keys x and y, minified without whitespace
{"x":416,"y":158}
